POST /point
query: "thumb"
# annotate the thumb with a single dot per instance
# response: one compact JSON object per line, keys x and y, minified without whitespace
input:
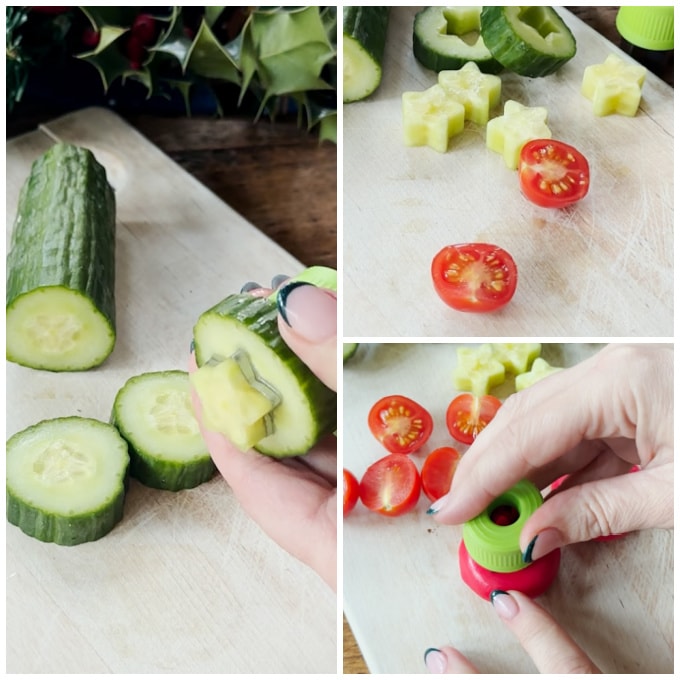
{"x":550,"y":647}
{"x":308,"y":324}
{"x":605,"y":507}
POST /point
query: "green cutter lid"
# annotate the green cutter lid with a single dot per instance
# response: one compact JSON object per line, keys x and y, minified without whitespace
{"x":496,"y":547}
{"x":650,"y":28}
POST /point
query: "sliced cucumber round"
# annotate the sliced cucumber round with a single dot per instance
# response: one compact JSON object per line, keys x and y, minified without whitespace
{"x":153,"y":412}
{"x":531,"y":41}
{"x":349,"y":350}
{"x":66,"y":480}
{"x":252,"y":387}
{"x":446,"y":38}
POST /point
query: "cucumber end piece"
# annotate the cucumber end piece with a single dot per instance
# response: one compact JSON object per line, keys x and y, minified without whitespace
{"x":361,"y":74}
{"x":322,"y":277}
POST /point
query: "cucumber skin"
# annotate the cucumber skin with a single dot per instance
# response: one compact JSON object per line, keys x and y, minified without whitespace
{"x":260,"y":316}
{"x":68,"y":531}
{"x":65,"y":201}
{"x":155,"y":473}
{"x":368,"y":26}
{"x":517,"y":56}
{"x":434,"y":61}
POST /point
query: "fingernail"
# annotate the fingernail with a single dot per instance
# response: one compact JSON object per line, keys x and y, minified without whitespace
{"x":249,"y":285}
{"x":310,"y":311}
{"x":278,"y":280}
{"x":504,"y":604}
{"x":435,"y":660}
{"x":541,"y":544}
{"x":436,"y":506}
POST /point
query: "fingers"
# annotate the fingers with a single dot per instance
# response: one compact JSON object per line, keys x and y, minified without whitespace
{"x":617,"y":505}
{"x":447,"y":660}
{"x":308,"y":325}
{"x":548,"y":645}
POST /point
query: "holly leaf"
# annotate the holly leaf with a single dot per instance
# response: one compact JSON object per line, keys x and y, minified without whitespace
{"x":101,"y":17}
{"x":212,"y":14}
{"x":108,"y":57}
{"x":208,"y":58}
{"x":173,"y":41}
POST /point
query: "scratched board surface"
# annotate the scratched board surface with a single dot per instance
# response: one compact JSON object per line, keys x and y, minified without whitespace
{"x":402,"y":590}
{"x":187,"y":582}
{"x":603,"y":267}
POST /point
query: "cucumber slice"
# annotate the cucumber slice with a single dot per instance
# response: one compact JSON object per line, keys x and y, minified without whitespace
{"x":446,"y":38}
{"x":477,"y":370}
{"x":539,"y":370}
{"x":517,"y":357}
{"x":153,"y":413}
{"x":349,"y":349}
{"x":66,"y":480}
{"x":478,"y":92}
{"x":531,"y":41}
{"x":243,"y":330}
{"x":615,"y":86}
{"x":363,"y":43}
{"x":61,"y":265}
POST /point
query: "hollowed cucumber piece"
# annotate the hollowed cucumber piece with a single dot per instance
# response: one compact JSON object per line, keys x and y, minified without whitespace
{"x":65,"y":480}
{"x":153,"y":412}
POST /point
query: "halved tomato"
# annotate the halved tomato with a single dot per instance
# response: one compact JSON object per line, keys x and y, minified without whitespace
{"x":350,"y":494}
{"x":437,"y":471}
{"x":468,"y":414}
{"x":400,"y":424}
{"x":474,"y":277}
{"x":553,"y":174}
{"x":391,"y":486}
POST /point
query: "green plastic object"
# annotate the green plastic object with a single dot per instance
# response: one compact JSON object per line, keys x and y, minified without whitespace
{"x":650,"y":28}
{"x":496,"y":547}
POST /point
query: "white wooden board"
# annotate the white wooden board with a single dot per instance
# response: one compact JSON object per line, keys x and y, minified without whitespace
{"x":402,"y":589}
{"x":602,"y":268}
{"x":186,"y":583}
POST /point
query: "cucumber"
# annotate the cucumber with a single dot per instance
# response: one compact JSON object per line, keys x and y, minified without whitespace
{"x":61,"y":265}
{"x":349,"y":349}
{"x":252,"y":387}
{"x":446,"y":38}
{"x":531,"y":41}
{"x":153,"y":413}
{"x":364,"y":33}
{"x":66,"y":480}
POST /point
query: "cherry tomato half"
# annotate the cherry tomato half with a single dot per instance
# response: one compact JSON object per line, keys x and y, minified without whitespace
{"x":391,"y":486}
{"x":350,"y":492}
{"x":437,"y":471}
{"x":474,"y":277}
{"x":400,"y":424}
{"x":467,"y":415}
{"x":552,"y":174}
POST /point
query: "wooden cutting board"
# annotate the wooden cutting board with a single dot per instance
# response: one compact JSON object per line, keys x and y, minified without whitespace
{"x":402,"y":590}
{"x":603,"y":267}
{"x":186,"y":583}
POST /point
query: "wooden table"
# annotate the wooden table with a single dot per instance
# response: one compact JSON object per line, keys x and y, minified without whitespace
{"x":602,"y":19}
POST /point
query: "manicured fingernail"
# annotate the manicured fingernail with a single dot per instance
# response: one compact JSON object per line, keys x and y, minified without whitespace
{"x":278,"y":280}
{"x":504,"y":604}
{"x":435,"y":660}
{"x":436,"y":506}
{"x":310,"y":311}
{"x":249,"y":285}
{"x":540,"y":545}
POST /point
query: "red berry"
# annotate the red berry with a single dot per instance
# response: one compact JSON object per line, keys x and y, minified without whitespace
{"x":144,"y":28}
{"x":90,"y":37}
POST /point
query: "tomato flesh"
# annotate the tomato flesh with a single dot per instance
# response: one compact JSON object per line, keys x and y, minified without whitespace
{"x":350,"y":494}
{"x":553,"y":174}
{"x":468,"y":414}
{"x":474,"y":277}
{"x":400,"y":424}
{"x":391,"y":485}
{"x":438,"y":470}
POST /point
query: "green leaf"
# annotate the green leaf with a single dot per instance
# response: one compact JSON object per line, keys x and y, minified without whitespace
{"x":212,"y":14}
{"x":329,"y":128}
{"x":107,"y":57}
{"x":101,"y":17}
{"x":173,"y":41}
{"x":208,"y":58}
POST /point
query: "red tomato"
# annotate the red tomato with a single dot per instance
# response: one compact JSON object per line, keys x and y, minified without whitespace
{"x":553,"y":174}
{"x":467,"y":415}
{"x":474,"y":277}
{"x":400,"y":424}
{"x":437,"y":471}
{"x":391,"y":486}
{"x":350,"y":494}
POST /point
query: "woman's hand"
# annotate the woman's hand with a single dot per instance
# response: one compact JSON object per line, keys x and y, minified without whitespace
{"x":294,"y":500}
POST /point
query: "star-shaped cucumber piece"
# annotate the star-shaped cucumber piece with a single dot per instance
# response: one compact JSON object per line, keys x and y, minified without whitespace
{"x":614,"y":86}
{"x":516,"y":356}
{"x":507,"y":134}
{"x":431,"y":118}
{"x":539,"y":370}
{"x":478,"y":92}
{"x":478,"y":370}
